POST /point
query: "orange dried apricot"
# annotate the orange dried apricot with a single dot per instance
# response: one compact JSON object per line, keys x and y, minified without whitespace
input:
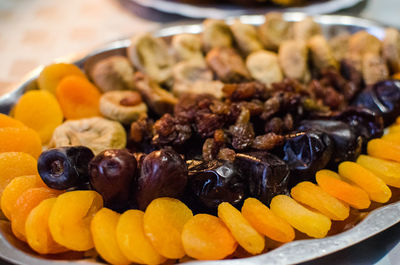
{"x":78,"y":98}
{"x":330,"y":182}
{"x":315,"y":197}
{"x":163,"y":222}
{"x":15,"y":188}
{"x":375,"y":187}
{"x":52,"y":74}
{"x":384,"y":149}
{"x":37,"y":229}
{"x":247,"y":237}
{"x":307,"y":221}
{"x":39,"y":110}
{"x":392,"y":137}
{"x":70,"y":218}
{"x":103,"y":228}
{"x":394,"y":129}
{"x":20,"y":140}
{"x":28,"y":200}
{"x":398,"y":120}
{"x":7,"y":121}
{"x":388,"y":171}
{"x":132,"y":240}
{"x":15,"y":164}
{"x":205,"y":237}
{"x":266,"y":222}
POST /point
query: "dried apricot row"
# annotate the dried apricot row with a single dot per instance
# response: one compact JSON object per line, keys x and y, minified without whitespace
{"x":205,"y":237}
{"x":24,"y":205}
{"x":39,"y":110}
{"x":7,"y":121}
{"x":311,"y":195}
{"x":103,"y":227}
{"x":133,"y":241}
{"x":20,"y":140}
{"x":15,"y":188}
{"x":330,"y":182}
{"x":266,"y":222}
{"x":247,"y":237}
{"x":384,"y":149}
{"x":375,"y":187}
{"x":388,"y":171}
{"x":394,"y":129}
{"x":163,"y":222}
{"x":37,"y":229}
{"x":70,"y":218}
{"x":392,"y":137}
{"x":307,"y":221}
{"x":23,"y":164}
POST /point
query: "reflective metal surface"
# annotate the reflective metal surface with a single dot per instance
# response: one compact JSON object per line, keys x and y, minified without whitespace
{"x":221,"y":11}
{"x":298,"y":251}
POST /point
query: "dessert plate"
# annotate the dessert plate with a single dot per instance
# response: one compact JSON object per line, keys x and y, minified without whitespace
{"x":377,"y":221}
{"x":221,"y":11}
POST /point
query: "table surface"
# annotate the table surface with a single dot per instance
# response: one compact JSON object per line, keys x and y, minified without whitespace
{"x":34,"y":32}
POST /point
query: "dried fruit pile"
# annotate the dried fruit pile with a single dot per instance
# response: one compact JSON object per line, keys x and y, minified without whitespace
{"x":224,"y":149}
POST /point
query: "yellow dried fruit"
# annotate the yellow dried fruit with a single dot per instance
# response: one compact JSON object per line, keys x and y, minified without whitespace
{"x":40,"y":111}
{"x":309,"y":222}
{"x":375,"y":187}
{"x":266,"y":222}
{"x":70,"y":218}
{"x":163,"y":222}
{"x":205,"y":237}
{"x":103,"y":228}
{"x":247,"y":237}
{"x":132,"y":240}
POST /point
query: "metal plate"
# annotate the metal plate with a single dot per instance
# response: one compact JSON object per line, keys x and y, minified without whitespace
{"x":294,"y":252}
{"x":221,"y":11}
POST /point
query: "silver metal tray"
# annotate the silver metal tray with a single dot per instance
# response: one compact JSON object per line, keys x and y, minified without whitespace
{"x":222,"y":11}
{"x":298,"y":251}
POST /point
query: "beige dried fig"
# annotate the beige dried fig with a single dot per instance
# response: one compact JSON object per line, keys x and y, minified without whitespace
{"x":216,"y":34}
{"x":246,"y":37}
{"x":264,"y":67}
{"x":195,"y":78}
{"x":362,"y":42}
{"x":151,"y":56}
{"x":305,"y":29}
{"x":190,"y":71}
{"x":391,"y":49}
{"x":374,"y":68}
{"x":159,"y":100}
{"x":274,"y":31}
{"x":123,"y":106}
{"x":339,"y":46}
{"x":213,"y":88}
{"x":227,"y":64}
{"x":321,"y":53}
{"x":187,"y":47}
{"x":96,"y":133}
{"x":293,"y":59}
{"x":112,"y":73}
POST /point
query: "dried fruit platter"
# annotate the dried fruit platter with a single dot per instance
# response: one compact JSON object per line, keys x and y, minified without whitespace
{"x":380,"y":218}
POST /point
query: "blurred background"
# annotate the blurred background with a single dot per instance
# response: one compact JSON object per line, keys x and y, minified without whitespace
{"x":35,"y":32}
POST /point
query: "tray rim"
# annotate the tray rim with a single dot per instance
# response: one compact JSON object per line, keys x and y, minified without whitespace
{"x":369,"y":227}
{"x":221,"y":11}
